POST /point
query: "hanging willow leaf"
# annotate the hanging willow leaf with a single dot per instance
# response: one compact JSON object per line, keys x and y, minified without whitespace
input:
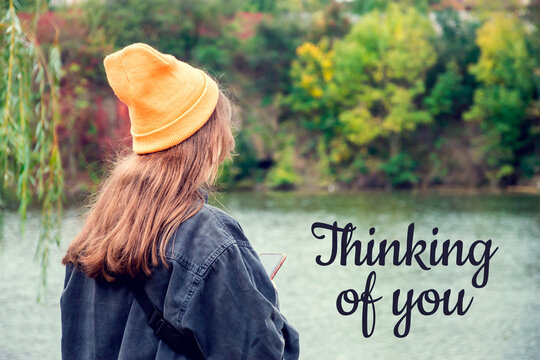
{"x":30,"y":162}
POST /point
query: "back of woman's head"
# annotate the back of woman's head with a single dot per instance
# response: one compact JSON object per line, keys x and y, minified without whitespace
{"x":148,"y":195}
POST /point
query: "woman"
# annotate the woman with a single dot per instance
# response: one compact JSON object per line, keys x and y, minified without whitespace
{"x":156,"y":272}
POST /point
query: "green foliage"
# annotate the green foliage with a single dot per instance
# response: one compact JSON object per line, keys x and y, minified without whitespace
{"x":438,"y":170}
{"x":355,"y":99}
{"x":505,"y":58}
{"x":380,"y":68}
{"x":244,"y":166}
{"x":364,"y":88}
{"x":312,"y":93}
{"x":400,"y":170}
{"x":448,"y":94}
{"x":456,"y":42}
{"x":269,"y":6}
{"x":530,"y":165}
{"x":500,"y":112}
{"x":505,"y":69}
{"x":366,"y":6}
{"x":195,"y":31}
{"x":283,"y":175}
{"x":270,"y":52}
{"x":366,"y":103}
{"x":30,"y":162}
{"x":226,"y":174}
{"x":300,"y":6}
{"x":449,"y":84}
{"x":348,"y":172}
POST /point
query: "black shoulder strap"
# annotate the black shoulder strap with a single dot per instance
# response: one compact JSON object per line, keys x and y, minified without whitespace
{"x":180,"y":341}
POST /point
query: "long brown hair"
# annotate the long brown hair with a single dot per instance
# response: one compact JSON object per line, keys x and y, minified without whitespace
{"x":146,"y":197}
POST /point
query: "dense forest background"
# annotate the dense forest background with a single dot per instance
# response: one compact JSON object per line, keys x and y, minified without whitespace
{"x":329,"y":95}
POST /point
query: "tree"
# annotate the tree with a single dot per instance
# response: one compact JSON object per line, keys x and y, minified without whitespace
{"x":380,"y":68}
{"x":198,"y":32}
{"x":269,"y":54}
{"x":364,"y":89}
{"x":505,"y":70}
{"x":312,"y":93}
{"x":449,"y":84}
{"x":30,"y":162}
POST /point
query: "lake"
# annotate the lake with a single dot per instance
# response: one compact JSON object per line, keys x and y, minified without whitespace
{"x":503,"y":321}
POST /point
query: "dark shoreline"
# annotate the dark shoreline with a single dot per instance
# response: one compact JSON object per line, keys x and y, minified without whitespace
{"x":81,"y":198}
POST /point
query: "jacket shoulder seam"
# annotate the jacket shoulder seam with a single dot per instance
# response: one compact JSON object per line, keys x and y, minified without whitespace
{"x":201,"y":269}
{"x":226,"y":230}
{"x":183,"y":262}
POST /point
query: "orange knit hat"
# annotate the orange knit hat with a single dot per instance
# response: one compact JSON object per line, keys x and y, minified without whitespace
{"x":168,"y":100}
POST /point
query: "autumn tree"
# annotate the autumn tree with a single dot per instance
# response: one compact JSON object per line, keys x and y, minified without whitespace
{"x":380,"y":68}
{"x":505,"y":71}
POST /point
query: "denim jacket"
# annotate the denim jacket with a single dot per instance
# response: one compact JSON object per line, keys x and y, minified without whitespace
{"x":215,"y":286}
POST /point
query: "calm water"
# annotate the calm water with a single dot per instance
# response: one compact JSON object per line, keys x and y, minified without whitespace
{"x":503,"y":321}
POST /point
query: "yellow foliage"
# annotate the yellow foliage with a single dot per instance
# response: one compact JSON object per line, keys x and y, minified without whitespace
{"x":504,"y":58}
{"x":316,"y":92}
{"x":306,"y":81}
{"x":313,"y":70}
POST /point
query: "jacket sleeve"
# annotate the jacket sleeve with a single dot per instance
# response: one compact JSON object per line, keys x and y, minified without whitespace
{"x":234,"y":313}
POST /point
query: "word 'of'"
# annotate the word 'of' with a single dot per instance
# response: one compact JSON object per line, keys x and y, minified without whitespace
{"x":428,"y":303}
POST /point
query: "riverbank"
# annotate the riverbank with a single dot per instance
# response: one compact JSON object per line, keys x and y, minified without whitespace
{"x":77,"y":194}
{"x":81,"y":196}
